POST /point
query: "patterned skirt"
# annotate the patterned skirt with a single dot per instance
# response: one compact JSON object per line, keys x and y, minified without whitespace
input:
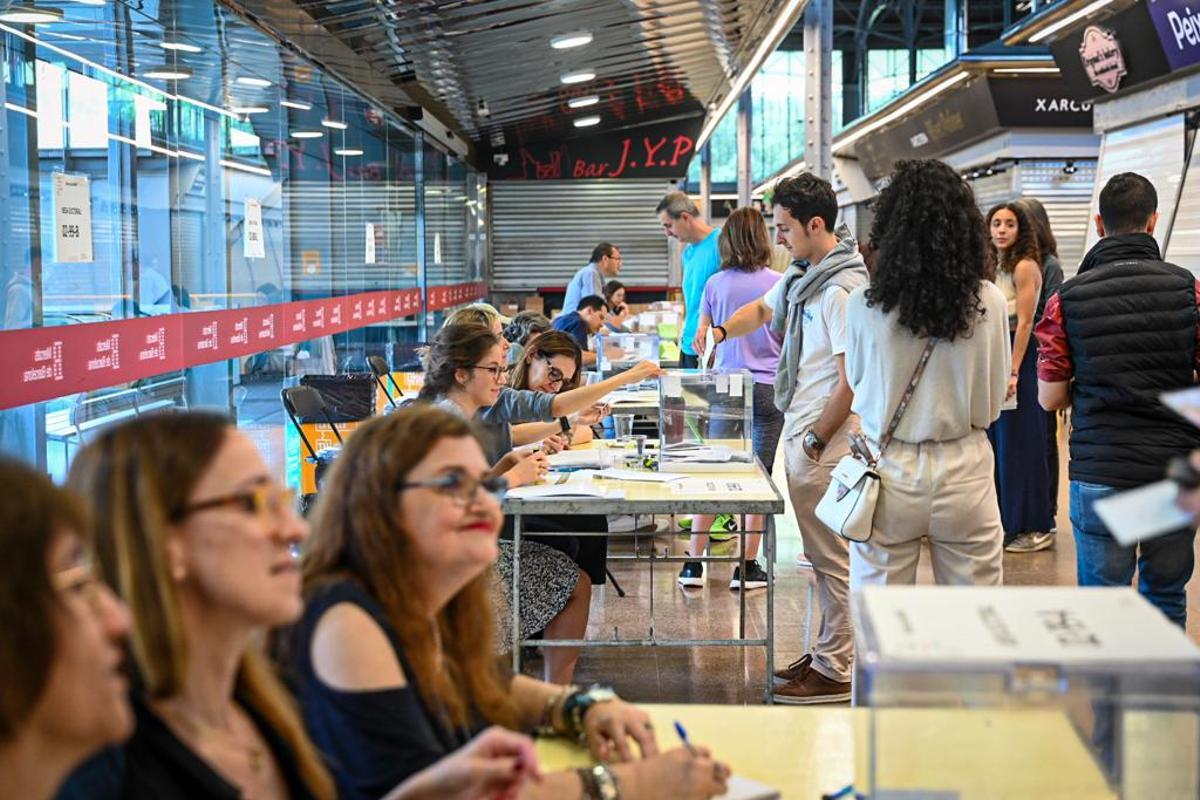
{"x":548,"y":577}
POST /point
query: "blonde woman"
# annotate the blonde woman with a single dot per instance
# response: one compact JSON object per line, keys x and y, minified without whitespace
{"x":201,"y":543}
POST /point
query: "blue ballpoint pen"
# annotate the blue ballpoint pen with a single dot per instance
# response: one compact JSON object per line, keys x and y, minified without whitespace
{"x":684,"y":738}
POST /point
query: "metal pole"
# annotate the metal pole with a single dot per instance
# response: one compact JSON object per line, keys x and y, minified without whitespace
{"x":769,"y":550}
{"x":745,"y":172}
{"x":818,"y":93}
{"x":706,"y":181}
{"x":516,"y":637}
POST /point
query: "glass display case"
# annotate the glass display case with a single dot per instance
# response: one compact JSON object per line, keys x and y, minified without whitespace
{"x":1025,"y":692}
{"x":617,"y":352}
{"x":706,"y":421}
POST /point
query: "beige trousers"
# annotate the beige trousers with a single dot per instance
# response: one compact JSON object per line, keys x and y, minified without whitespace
{"x":945,"y":491}
{"x":828,"y":552}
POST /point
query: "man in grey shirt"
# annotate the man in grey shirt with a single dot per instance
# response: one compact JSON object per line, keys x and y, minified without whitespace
{"x":604,"y":266}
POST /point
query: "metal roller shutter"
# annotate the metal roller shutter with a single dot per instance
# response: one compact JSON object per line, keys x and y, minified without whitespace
{"x":1068,"y":200}
{"x":544,"y":231}
{"x":1154,"y":149}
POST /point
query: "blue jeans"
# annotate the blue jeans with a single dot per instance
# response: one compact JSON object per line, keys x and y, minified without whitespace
{"x":1164,"y":564}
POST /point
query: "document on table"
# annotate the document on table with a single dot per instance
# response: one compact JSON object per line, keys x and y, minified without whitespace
{"x":575,"y":459}
{"x":1143,"y":513}
{"x":579,"y":484}
{"x":615,"y":474}
{"x":722,"y":486}
{"x":740,"y":788}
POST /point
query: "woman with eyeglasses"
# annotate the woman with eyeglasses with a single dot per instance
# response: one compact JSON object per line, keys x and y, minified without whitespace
{"x":553,"y":363}
{"x":63,"y":695}
{"x":395,"y":660}
{"x":202,"y":544}
{"x":466,"y":371}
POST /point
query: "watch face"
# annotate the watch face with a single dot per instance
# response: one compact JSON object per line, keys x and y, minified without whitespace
{"x":601,"y":694}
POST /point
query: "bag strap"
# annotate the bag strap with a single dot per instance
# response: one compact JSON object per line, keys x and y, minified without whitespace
{"x":908,"y":393}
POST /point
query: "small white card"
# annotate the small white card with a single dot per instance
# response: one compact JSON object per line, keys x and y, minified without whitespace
{"x":735,"y":384}
{"x":1143,"y":513}
{"x":672,"y":386}
{"x":722,"y":383}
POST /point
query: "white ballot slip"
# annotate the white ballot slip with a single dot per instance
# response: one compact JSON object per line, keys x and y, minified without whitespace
{"x":1185,"y":402}
{"x":740,"y":788}
{"x":1143,"y":513}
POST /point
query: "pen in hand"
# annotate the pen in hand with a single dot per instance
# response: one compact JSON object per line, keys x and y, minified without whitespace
{"x":684,"y":738}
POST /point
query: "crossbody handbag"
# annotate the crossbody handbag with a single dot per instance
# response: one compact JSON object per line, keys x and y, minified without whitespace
{"x":848,"y":506}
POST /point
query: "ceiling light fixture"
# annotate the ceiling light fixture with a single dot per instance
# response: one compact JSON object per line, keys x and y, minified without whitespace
{"x":841,"y":144}
{"x":583,"y":76}
{"x":335,"y":124}
{"x":587,"y":122}
{"x":347,"y":151}
{"x":569,"y":40}
{"x":168,"y":72}
{"x":249,"y":109}
{"x":1054,"y":27}
{"x":780,"y":28}
{"x":307,"y":134}
{"x":247,"y":80}
{"x":30,"y":14}
{"x":182,"y":47}
{"x":296,"y":104}
{"x":583,"y":102}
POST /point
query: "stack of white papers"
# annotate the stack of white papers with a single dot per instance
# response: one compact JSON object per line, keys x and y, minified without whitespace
{"x":583,"y":487}
{"x":576,"y":459}
{"x":615,"y":474}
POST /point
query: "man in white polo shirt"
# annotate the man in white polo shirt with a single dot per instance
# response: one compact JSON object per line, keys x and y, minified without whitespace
{"x":807,"y":307}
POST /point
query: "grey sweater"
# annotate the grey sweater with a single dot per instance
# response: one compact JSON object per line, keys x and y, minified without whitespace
{"x":512,"y":407}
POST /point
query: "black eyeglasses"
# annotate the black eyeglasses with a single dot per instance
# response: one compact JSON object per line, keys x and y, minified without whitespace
{"x":498,"y":373}
{"x":552,"y":372}
{"x":461,"y":488}
{"x":266,"y":500}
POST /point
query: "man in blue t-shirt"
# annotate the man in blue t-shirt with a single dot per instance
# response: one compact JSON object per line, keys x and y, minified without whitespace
{"x":701,"y":260}
{"x":582,"y":323}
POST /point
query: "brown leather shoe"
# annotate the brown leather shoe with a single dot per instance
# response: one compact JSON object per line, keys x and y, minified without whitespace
{"x":810,"y":687}
{"x":794,"y":670}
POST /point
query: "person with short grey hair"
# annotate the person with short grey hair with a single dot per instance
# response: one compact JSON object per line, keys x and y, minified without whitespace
{"x":681,"y":220}
{"x":604,"y":265}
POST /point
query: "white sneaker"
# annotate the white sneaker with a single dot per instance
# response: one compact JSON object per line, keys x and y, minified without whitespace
{"x":1030,"y":542}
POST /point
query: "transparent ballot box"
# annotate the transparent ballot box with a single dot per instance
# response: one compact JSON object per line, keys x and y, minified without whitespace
{"x":617,"y":352}
{"x":706,"y":421}
{"x":1024,"y":692}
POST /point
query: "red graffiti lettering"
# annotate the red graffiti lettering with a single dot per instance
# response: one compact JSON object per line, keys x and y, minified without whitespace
{"x":652,"y":150}
{"x":541,"y":171}
{"x":625,"y":146}
{"x":683,"y":146}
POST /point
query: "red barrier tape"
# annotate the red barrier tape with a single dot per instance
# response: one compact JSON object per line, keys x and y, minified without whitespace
{"x":38,"y":364}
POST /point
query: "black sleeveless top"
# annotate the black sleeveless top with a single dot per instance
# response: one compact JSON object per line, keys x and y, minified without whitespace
{"x":372,"y":740}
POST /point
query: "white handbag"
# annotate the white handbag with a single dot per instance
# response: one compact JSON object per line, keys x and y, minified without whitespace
{"x":848,"y":505}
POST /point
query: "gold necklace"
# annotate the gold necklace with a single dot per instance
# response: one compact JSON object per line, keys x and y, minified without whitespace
{"x":256,"y":757}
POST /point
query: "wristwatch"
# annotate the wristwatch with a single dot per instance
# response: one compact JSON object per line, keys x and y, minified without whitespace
{"x":564,"y":425}
{"x":599,"y":783}
{"x":813,"y":442}
{"x":576,"y":706}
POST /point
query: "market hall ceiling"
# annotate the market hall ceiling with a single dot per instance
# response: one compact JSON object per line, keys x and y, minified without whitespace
{"x":487,"y":67}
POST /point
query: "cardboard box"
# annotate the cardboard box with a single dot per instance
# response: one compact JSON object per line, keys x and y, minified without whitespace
{"x":535,"y":302}
{"x":509,"y":309}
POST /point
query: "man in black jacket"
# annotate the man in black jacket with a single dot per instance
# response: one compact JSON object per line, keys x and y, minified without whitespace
{"x":1113,"y":338}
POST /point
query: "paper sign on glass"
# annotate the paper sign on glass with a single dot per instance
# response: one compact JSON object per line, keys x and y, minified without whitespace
{"x":72,"y":219}
{"x":369,"y":257}
{"x":253,"y":245}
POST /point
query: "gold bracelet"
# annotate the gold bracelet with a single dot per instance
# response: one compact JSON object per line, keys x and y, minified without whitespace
{"x":553,"y":702}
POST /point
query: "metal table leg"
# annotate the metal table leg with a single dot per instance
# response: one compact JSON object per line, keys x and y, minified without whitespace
{"x":769,"y":549}
{"x":517,"y":638}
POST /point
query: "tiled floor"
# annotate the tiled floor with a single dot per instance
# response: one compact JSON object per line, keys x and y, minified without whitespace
{"x":736,"y":675}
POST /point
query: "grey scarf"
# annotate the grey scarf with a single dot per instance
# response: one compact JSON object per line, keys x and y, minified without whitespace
{"x":843,"y":266}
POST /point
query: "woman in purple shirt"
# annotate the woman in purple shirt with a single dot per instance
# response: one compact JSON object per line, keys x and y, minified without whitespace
{"x":745,"y":248}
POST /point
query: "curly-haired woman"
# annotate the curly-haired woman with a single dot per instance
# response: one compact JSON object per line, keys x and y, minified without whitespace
{"x":1019,"y":436}
{"x":930,"y":282}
